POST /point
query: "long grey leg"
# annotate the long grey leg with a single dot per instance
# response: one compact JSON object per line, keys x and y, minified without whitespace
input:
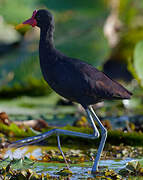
{"x":95,"y":130}
{"x":59,"y":146}
{"x":102,"y":142}
{"x":40,"y":137}
{"x":91,"y":114}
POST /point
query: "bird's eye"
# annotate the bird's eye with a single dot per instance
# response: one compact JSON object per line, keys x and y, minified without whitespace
{"x":38,"y":17}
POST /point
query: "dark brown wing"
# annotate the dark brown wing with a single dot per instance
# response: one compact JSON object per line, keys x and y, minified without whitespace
{"x":110,"y":89}
{"x":102,"y":86}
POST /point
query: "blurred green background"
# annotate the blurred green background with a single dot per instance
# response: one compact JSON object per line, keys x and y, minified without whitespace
{"x":105,"y":33}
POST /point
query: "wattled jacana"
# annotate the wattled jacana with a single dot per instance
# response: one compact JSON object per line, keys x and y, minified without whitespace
{"x":73,"y":79}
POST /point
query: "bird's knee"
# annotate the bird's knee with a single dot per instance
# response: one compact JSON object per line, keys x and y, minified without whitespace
{"x":104,"y":132}
{"x":96,"y":135}
{"x":55,"y":130}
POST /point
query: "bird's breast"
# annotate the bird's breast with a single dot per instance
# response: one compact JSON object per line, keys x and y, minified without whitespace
{"x":64,"y":80}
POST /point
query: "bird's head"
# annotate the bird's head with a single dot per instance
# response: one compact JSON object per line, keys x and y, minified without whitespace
{"x":39,"y":18}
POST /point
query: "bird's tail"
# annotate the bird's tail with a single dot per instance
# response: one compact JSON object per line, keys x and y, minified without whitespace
{"x":122,"y":93}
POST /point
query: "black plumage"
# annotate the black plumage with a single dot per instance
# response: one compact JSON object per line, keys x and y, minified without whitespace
{"x":69,"y":77}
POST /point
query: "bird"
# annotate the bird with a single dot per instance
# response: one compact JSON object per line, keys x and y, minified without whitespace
{"x":74,"y":80}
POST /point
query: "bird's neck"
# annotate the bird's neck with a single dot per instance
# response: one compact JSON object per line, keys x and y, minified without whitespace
{"x":46,"y":37}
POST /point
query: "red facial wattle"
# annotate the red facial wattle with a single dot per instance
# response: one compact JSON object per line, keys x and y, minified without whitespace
{"x":32,"y":21}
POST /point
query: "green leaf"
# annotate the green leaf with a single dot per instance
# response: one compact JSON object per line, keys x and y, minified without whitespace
{"x":24,"y":163}
{"x":138,"y":61}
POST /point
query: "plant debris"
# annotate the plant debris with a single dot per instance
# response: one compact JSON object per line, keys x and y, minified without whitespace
{"x":65,"y":172}
{"x":108,"y":174}
{"x":132,"y":168}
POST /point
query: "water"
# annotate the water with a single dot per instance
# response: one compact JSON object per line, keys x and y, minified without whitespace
{"x":84,"y":172}
{"x":81,"y":170}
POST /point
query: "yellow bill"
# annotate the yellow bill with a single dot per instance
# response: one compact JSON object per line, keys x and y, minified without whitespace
{"x":19,"y":26}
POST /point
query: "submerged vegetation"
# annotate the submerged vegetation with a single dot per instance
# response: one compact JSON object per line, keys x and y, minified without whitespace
{"x":21,"y":168}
